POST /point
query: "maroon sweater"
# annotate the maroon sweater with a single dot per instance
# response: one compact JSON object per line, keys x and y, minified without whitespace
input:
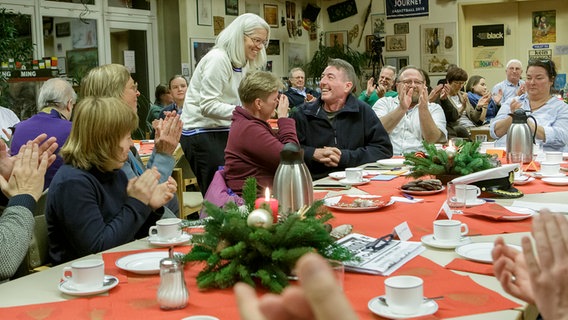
{"x":253,"y":149}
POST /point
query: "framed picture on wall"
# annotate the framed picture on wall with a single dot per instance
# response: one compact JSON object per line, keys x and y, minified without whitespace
{"x":273,"y":48}
{"x":336,"y":38}
{"x":369,"y":43}
{"x":232,"y":7}
{"x":199,"y":48}
{"x":437,"y":48}
{"x":204,"y":15}
{"x":271,"y":15}
{"x":395,"y":43}
{"x":378,"y":24}
{"x":62,"y":29}
{"x":401,"y":28}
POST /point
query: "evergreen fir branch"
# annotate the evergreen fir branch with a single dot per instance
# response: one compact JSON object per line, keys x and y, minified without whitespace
{"x":249,"y":193}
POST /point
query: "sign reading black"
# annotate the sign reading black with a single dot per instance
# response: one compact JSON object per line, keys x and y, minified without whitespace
{"x":489,"y":35}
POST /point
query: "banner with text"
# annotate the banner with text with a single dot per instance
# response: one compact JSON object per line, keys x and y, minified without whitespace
{"x":488,"y":35}
{"x":397,"y":9}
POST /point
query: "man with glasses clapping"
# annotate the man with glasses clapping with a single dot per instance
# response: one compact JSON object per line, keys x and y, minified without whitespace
{"x":410,"y":117}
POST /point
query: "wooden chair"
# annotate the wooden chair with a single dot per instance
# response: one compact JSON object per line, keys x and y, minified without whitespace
{"x":37,"y":255}
{"x":189,"y":201}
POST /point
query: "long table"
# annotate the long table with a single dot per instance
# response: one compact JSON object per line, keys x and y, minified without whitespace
{"x":135,"y":295}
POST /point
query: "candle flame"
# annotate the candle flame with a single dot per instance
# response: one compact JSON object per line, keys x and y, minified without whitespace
{"x":267,"y":194}
{"x":450,"y":144}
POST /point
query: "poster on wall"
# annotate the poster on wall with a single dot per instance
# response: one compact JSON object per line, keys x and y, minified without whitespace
{"x":397,"y":9}
{"x":488,"y":35}
{"x":438,"y":47}
{"x":488,"y":57}
{"x":199,"y":48}
{"x":540,"y":54}
{"x":544,"y":26}
{"x":83,"y":35}
{"x":297,"y":56}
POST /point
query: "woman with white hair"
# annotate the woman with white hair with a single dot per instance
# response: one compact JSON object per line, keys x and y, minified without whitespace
{"x":213,"y":93}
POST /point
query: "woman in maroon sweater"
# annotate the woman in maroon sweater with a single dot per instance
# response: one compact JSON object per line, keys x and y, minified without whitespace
{"x":253,"y":148}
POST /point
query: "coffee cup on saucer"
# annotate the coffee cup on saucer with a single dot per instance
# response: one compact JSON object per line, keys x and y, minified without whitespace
{"x":549,"y":168}
{"x":166,"y":229}
{"x":553,"y":156}
{"x":467,"y":192}
{"x":354,"y":174}
{"x":85,"y":275}
{"x":449,"y":230}
{"x":404,"y":294}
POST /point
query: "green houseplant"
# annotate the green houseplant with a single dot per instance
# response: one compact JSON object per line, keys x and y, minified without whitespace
{"x":315,"y":67}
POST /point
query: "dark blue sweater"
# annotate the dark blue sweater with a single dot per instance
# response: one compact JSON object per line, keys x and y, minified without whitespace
{"x":89,"y":211}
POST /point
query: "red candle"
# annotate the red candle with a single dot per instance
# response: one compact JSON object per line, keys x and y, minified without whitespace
{"x":270,"y":204}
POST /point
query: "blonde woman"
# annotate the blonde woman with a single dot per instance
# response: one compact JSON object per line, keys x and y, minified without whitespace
{"x":91,"y":204}
{"x":114,"y":80}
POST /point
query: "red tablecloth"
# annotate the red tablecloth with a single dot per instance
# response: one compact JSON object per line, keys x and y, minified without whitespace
{"x":135,"y":296}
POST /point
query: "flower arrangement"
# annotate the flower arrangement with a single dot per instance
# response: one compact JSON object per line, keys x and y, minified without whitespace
{"x":459,"y":160}
{"x":236,"y":248}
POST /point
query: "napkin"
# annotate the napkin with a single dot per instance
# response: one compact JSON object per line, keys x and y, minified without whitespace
{"x":470,"y":266}
{"x":383,"y":177}
{"x":492,"y":211}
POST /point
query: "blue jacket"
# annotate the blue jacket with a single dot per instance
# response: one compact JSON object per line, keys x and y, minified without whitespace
{"x":89,"y":211}
{"x":297,"y":99}
{"x":356,"y":131}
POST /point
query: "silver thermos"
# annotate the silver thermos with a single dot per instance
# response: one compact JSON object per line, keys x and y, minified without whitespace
{"x":293,"y":186}
{"x":520,"y":139}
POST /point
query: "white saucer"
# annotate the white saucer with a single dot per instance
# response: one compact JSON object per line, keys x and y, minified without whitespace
{"x":480,"y":251}
{"x":556,"y":181}
{"x":354,"y":183}
{"x":523,"y":181}
{"x":556,"y":175}
{"x":201,"y":317}
{"x":475,"y":203}
{"x":169,"y":243}
{"x":391,"y":163}
{"x":432,"y":242}
{"x":377,"y":307}
{"x":109,"y":283}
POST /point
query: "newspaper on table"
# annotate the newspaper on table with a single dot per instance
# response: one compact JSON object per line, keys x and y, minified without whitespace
{"x":382,"y":262}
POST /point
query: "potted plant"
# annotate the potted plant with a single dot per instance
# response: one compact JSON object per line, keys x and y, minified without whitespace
{"x":315,"y":67}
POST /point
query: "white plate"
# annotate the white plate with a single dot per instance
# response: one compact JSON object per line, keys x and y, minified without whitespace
{"x":354,"y":183}
{"x":142,"y":263}
{"x":480,"y":252}
{"x":524,"y":213}
{"x":422,"y":193}
{"x":201,"y":317}
{"x":432,"y":242}
{"x":556,"y":181}
{"x":109,"y":283}
{"x":540,"y":175}
{"x":391,"y":163}
{"x":381,"y":309}
{"x":332,"y":201}
{"x":525,"y":181}
{"x":475,"y":203}
{"x":169,"y":243}
{"x":338,"y":175}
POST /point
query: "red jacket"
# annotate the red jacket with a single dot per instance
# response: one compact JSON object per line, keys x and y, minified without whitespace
{"x":253,"y":149}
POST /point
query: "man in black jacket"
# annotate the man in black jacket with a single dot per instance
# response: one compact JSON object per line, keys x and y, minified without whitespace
{"x":337,"y":130}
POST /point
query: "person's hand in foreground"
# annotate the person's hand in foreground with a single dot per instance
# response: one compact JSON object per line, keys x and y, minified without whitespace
{"x":508,"y":262}
{"x":549,"y":276}
{"x":46,"y":146}
{"x":28,"y":172}
{"x":319,"y":296}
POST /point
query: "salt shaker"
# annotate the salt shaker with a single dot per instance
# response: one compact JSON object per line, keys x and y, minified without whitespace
{"x":172,"y":293}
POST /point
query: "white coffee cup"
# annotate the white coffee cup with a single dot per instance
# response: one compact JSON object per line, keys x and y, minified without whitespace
{"x":85,"y":274}
{"x":481,"y":137}
{"x":470,"y":192}
{"x":354,"y":174}
{"x":449,"y":230}
{"x":166,"y":229}
{"x":404,"y":294}
{"x":549,"y":168}
{"x":553,"y":156}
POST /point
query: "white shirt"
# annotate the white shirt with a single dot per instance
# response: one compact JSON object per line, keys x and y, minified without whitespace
{"x":407,"y":135}
{"x":553,"y":117}
{"x":7,"y":119}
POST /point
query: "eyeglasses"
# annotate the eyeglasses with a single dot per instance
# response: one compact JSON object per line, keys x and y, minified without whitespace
{"x":380,"y":243}
{"x":413,"y":82}
{"x":257,"y":41}
{"x":135,"y":86}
